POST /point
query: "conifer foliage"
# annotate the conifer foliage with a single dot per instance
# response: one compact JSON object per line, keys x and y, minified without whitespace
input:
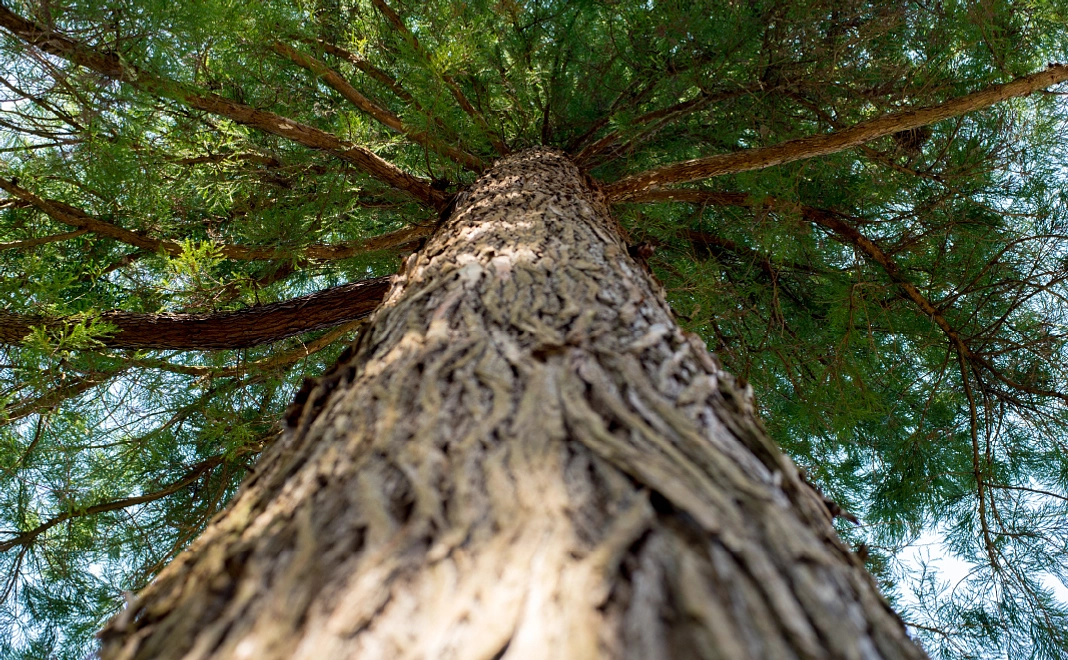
{"x":858,"y":205}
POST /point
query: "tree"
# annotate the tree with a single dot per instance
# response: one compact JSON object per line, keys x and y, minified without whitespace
{"x":856,"y":205}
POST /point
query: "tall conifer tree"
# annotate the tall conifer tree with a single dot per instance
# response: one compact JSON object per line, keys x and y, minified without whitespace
{"x":857,"y":206}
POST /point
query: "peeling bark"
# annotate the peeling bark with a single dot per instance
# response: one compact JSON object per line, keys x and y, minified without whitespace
{"x":522,"y":457}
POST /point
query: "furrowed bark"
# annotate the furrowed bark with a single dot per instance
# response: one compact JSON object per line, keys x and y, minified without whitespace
{"x":829,"y":143}
{"x":224,"y":330}
{"x":523,"y":457}
{"x":112,"y":66}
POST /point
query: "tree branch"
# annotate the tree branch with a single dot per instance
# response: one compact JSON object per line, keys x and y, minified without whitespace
{"x":112,"y":66}
{"x":829,"y":143}
{"x":44,"y":240}
{"x":192,"y":475}
{"x":54,"y":397}
{"x":847,"y":233}
{"x":663,"y":114}
{"x":457,"y":93}
{"x":382,"y":77}
{"x":226,"y":330}
{"x":71,"y":216}
{"x":383,"y":116}
{"x":363,"y":65}
{"x":283,"y":359}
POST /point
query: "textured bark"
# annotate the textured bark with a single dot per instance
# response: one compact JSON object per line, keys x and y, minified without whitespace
{"x":522,"y":457}
{"x":225,"y":330}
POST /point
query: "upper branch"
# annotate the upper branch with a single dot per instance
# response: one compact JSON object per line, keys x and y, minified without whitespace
{"x":74,"y":217}
{"x":113,"y":66}
{"x":371,"y":70}
{"x":849,"y":234}
{"x":383,"y":116}
{"x":457,"y":93}
{"x":829,"y":143}
{"x":225,"y":330}
{"x":192,"y":475}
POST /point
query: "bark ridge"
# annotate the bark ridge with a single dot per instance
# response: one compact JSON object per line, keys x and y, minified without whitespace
{"x":523,"y":456}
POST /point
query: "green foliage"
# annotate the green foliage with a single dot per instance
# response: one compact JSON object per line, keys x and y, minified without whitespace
{"x":863,"y":388}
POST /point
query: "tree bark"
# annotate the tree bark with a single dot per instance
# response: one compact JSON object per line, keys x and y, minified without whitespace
{"x":522,"y":457}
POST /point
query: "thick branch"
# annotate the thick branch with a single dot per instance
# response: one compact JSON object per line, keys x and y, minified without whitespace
{"x":69,"y":215}
{"x":112,"y":66}
{"x":383,"y":116}
{"x":829,"y":143}
{"x":30,"y":536}
{"x":226,"y":330}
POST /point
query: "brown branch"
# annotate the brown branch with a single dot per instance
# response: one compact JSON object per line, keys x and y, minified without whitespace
{"x":382,"y":77}
{"x":225,"y":330}
{"x":631,"y":94}
{"x":454,"y":88}
{"x":847,"y":233}
{"x":671,"y":112}
{"x":977,"y":471}
{"x":283,"y":359}
{"x":362,"y":64}
{"x":112,"y":66}
{"x":44,"y":240}
{"x":71,"y":216}
{"x":192,"y":475}
{"x":383,"y":116}
{"x":829,"y":143}
{"x":224,"y":157}
{"x":717,"y":244}
{"x":54,"y":397}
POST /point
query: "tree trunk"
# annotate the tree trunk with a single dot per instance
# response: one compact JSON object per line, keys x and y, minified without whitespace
{"x":522,"y":457}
